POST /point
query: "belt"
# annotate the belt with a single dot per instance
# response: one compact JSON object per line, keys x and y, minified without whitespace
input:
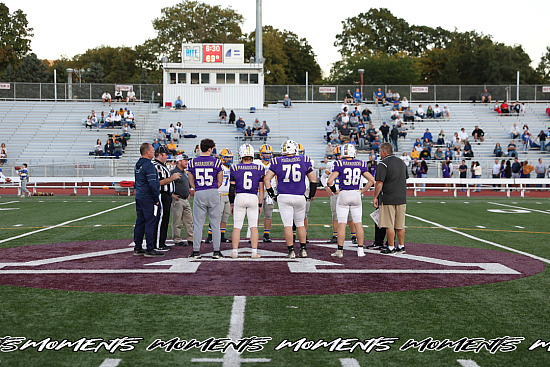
{"x":166,"y":193}
{"x":183,"y":197}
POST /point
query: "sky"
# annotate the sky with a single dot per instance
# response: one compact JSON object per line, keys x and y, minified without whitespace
{"x":63,"y":27}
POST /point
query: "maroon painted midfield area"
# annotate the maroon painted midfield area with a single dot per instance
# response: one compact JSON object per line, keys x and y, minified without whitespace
{"x":110,"y":266}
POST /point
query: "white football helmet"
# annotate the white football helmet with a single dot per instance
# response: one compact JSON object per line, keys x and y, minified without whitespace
{"x":289,"y":147}
{"x":349,"y":151}
{"x":246,"y":150}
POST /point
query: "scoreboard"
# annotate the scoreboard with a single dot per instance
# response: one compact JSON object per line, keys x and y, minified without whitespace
{"x":207,"y":53}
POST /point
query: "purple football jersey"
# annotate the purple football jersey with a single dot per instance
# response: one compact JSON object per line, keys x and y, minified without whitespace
{"x":350,"y":172}
{"x":291,"y":173}
{"x":205,"y":170}
{"x":247,"y":177}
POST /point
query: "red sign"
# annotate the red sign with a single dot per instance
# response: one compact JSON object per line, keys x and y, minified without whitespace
{"x":212,"y":53}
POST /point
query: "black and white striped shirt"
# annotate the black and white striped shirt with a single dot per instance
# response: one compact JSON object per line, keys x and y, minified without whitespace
{"x":164,"y":173}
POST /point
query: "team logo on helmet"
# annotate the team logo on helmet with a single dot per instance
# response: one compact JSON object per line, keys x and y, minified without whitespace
{"x":226,"y":157}
{"x":337,"y":150}
{"x":289,"y":147}
{"x":301,"y":149}
{"x":348,"y":151}
{"x":266,"y":152}
{"x":246,"y":150}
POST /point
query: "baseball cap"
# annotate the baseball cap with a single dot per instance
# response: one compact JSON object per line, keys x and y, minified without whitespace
{"x":181,"y":157}
{"x":161,"y":150}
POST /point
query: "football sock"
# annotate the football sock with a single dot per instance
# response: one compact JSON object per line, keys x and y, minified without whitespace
{"x":290,"y":248}
{"x":341,"y":248}
{"x":334,"y":234}
{"x":222,"y":230}
{"x":254,"y":251}
{"x":302,"y":246}
{"x":352,"y":234}
{"x":267,"y":231}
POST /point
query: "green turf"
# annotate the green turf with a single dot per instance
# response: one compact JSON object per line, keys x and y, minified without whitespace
{"x":515,"y":308}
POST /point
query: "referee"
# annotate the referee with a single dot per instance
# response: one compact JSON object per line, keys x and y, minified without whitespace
{"x":166,"y":190}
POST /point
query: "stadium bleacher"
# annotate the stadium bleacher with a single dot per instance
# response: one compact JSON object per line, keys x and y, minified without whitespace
{"x":48,"y":133}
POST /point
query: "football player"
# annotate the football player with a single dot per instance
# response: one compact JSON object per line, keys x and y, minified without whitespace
{"x":246,"y":179}
{"x":350,"y":170}
{"x":266,"y":153}
{"x":227,"y":160}
{"x":291,"y":170}
{"x":337,"y":151}
{"x":302,"y":151}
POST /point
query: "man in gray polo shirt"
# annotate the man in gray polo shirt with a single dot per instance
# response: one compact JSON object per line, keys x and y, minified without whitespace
{"x":390,"y":195}
{"x":540,"y":170}
{"x":181,"y":209}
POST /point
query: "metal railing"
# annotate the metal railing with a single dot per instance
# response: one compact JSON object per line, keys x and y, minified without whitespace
{"x":274,"y":93}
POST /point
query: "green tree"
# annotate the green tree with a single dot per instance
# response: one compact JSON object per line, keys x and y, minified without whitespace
{"x":118,"y":63}
{"x":61,"y":65}
{"x":287,"y":57}
{"x":543,"y":69}
{"x":94,"y":73}
{"x":194,"y":22}
{"x":33,"y":70}
{"x":15,"y":40}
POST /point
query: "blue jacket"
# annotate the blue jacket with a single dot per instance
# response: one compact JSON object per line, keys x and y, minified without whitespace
{"x":147,"y":182}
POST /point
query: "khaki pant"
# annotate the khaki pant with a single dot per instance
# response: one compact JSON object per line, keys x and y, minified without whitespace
{"x":181,"y":213}
{"x":392,"y":216}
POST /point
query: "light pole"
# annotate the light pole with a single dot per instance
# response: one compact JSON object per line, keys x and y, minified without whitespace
{"x":79,"y":73}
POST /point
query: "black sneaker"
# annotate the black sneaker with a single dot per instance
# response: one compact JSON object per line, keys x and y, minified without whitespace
{"x":217,"y":255}
{"x":373,"y":245}
{"x":195,"y":255}
{"x":189,"y":243}
{"x":267,"y":239}
{"x":153,"y":253}
{"x":400,"y":250}
{"x":223,"y":239}
{"x":334,"y":239}
{"x":386,"y":250}
{"x":139,"y":252}
{"x":180,"y":244}
{"x":208,"y":239}
{"x":164,"y":248}
{"x":354,"y":240}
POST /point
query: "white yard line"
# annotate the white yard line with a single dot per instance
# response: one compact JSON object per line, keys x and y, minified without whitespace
{"x":236,"y":328}
{"x":519,"y":207}
{"x":9,"y":202}
{"x":467,"y":363}
{"x":64,"y":223}
{"x":349,"y":362}
{"x":110,"y":362}
{"x":480,"y":239}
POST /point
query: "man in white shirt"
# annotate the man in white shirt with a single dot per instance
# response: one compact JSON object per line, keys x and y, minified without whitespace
{"x":405,"y":158}
{"x":437,"y":112}
{"x":129,"y":118}
{"x":463,"y":135}
{"x":106,"y":97}
{"x":514,"y":131}
{"x":131,"y":96}
{"x":420,"y":112}
{"x":496,"y":173}
{"x":118,"y":95}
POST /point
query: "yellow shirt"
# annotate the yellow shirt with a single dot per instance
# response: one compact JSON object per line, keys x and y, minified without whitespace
{"x":415,"y":154}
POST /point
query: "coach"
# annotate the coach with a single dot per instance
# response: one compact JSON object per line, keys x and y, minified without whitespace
{"x":391,"y":186}
{"x":166,"y":190}
{"x":147,"y":187}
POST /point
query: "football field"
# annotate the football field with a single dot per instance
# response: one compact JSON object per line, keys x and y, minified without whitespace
{"x":472,"y":290}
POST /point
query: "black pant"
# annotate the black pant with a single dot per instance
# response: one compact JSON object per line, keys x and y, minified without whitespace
{"x":162,"y":226}
{"x":379,"y":235}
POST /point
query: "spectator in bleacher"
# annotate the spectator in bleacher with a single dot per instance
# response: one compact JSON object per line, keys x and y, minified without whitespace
{"x":504,"y":108}
{"x":542,"y":140}
{"x":98,"y":148}
{"x":394,"y":137}
{"x":372,"y":155}
{"x":477,"y":174}
{"x":361,"y":137}
{"x":354,"y":117}
{"x":496,"y":108}
{"x":171,"y":133}
{"x":264,"y":130}
{"x":335,"y":137}
{"x":526,"y":140}
{"x":345,"y":133}
{"x":106,"y":97}
{"x":172,"y":148}
{"x":405,"y":103}
{"x":179,"y":129}
{"x":352,"y":140}
{"x":375,"y":144}
{"x":232,"y":117}
{"x":438,"y":155}
{"x":379,"y":96}
{"x":256,"y":126}
{"x":109,"y":121}
{"x":287,"y":103}
{"x":179,"y":103}
{"x":478,"y":135}
{"x":540,"y":169}
{"x":265,"y":127}
{"x":463,"y":135}
{"x":223,"y":115}
{"x":408,"y":115}
{"x":126,"y":131}
{"x":522,"y":108}
{"x":448,"y":153}
{"x":425,"y":153}
{"x":437,"y":112}
{"x":446,"y":112}
{"x":240,"y":125}
{"x":415,"y":167}
{"x":485,"y":96}
{"x":420,"y":112}
{"x":441,"y":138}
{"x":118,"y":148}
{"x":131,"y":96}
{"x":512,"y":149}
{"x":406,"y":159}
{"x":156,"y":143}
{"x":468,"y":152}
{"x":415,"y":154}
{"x":394,"y":114}
{"x":396,"y":102}
{"x":496,"y":172}
{"x":357,"y":96}
{"x":248,"y":133}
{"x":3,"y":154}
{"x":516,"y":107}
{"x":385,"y":130}
{"x":328,"y":151}
{"x":117,"y":119}
{"x":498,"y":150}
{"x":109,"y":148}
{"x":457,"y":147}
{"x":197,"y":150}
{"x":527,"y":169}
{"x":430,"y":112}
{"x":89,"y":122}
{"x":118,"y":95}
{"x":389,"y":96}
{"x":161,"y":137}
{"x":514,"y":131}
{"x":129,"y":118}
{"x":348,"y":98}
{"x":427,"y":135}
{"x":417,"y":144}
{"x":508,"y":170}
{"x":402,"y":130}
{"x":516,"y":168}
{"x":328,"y":131}
{"x":365,"y":114}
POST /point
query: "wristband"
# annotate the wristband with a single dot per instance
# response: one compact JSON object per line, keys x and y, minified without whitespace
{"x":333,"y":188}
{"x":259,"y":205}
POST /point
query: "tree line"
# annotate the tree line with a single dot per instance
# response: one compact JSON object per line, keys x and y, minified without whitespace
{"x":389,"y":49}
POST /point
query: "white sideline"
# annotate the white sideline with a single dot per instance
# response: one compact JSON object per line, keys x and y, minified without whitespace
{"x":467,"y":363}
{"x":480,"y":239}
{"x":110,"y":362}
{"x":64,"y":223}
{"x":519,"y":207}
